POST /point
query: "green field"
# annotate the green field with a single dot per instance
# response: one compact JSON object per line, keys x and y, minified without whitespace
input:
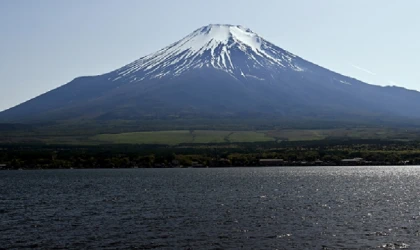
{"x":213,"y":136}
{"x":183,"y":136}
{"x":344,"y":133}
{"x":176,"y":137}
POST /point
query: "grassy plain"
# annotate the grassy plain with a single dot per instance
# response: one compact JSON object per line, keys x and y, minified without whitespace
{"x":202,"y":136}
{"x":183,"y":136}
{"x":211,"y":136}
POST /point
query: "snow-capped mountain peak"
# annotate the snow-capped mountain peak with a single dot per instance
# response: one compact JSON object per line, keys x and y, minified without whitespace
{"x":232,"y":48}
{"x":211,"y":36}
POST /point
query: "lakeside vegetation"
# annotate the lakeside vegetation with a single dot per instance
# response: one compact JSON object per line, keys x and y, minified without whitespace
{"x":303,"y":153}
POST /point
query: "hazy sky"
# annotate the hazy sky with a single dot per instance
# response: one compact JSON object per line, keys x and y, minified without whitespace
{"x":47,"y":43}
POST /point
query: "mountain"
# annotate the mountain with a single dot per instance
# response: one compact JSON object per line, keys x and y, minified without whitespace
{"x":218,"y":71}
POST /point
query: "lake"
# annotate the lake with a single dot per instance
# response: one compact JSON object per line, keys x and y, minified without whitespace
{"x":225,"y":208}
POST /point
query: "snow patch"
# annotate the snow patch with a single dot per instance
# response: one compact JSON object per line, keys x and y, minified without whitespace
{"x":255,"y":77}
{"x":345,"y":82}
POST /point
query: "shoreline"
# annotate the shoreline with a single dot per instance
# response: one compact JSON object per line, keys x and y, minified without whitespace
{"x":224,"y":167}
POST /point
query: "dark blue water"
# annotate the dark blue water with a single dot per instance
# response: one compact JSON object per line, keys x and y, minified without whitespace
{"x":249,"y":208}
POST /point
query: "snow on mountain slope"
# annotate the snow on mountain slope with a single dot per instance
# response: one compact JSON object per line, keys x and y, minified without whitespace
{"x":231,"y":48}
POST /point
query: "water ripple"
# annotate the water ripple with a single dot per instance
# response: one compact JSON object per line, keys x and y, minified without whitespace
{"x":250,"y":208}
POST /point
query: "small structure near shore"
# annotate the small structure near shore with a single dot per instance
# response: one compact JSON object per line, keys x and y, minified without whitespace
{"x":353,"y":161}
{"x":3,"y":166}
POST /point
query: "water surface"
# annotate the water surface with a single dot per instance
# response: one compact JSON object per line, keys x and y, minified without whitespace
{"x":250,"y":208}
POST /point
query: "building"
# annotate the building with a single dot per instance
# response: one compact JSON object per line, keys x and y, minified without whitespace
{"x":354,"y":161}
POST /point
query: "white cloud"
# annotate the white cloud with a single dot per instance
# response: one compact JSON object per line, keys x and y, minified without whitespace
{"x":362,"y":69}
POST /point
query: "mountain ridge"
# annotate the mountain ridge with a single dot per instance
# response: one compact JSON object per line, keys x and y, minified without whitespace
{"x":217,"y":70}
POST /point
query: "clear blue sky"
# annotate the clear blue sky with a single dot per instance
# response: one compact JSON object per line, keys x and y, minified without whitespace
{"x":47,"y":43}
